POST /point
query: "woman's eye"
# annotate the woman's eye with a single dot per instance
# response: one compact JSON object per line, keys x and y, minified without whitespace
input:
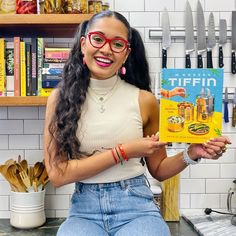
{"x":118,"y":44}
{"x":98,"y":39}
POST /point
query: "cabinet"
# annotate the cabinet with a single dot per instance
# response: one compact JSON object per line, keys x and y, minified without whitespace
{"x":44,"y":25}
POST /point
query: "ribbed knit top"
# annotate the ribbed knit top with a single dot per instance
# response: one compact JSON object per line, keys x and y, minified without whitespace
{"x":111,"y":115}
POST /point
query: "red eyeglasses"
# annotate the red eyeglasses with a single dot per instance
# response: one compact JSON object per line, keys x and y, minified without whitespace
{"x":98,"y":40}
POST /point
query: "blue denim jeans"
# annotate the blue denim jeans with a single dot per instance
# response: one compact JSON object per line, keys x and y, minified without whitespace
{"x":124,"y":208}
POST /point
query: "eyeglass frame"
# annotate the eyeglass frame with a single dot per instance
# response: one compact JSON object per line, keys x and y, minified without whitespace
{"x":108,"y":40}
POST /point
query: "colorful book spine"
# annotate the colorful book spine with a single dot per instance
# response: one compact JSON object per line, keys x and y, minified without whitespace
{"x":51,"y":77}
{"x":54,"y":65}
{"x":52,"y":71}
{"x":2,"y":67}
{"x":28,"y":69}
{"x":16,"y":66}
{"x":50,"y":83}
{"x":23,"y":69}
{"x":9,"y":51}
{"x":34,"y":66}
{"x":45,"y":92}
{"x":40,"y":64}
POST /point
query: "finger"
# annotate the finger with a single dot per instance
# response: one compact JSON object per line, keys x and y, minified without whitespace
{"x":212,"y":148}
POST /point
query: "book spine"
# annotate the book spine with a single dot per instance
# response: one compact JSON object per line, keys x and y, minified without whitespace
{"x":54,"y":65}
{"x":2,"y":67}
{"x":28,"y":69}
{"x":45,"y":92}
{"x":52,"y":71}
{"x":22,"y":69}
{"x":9,"y":56}
{"x":34,"y":66}
{"x":16,"y":66}
{"x":40,"y":64}
{"x":50,"y":83}
{"x":57,"y":55}
{"x":51,"y":77}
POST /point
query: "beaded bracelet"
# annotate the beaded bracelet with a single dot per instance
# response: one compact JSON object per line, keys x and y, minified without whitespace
{"x":187,"y":160}
{"x":122,"y":151}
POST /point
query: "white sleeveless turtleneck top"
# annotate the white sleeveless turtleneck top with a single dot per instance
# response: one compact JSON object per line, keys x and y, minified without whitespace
{"x":107,"y":122}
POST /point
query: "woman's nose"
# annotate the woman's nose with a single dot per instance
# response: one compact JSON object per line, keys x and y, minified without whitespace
{"x":106,"y":48}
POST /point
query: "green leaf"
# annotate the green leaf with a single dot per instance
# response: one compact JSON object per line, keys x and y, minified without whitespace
{"x":217,"y":131}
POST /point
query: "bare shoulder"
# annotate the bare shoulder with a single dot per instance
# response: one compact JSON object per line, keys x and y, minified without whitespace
{"x":51,"y":102}
{"x":147,"y":99}
{"x":149,"y":108}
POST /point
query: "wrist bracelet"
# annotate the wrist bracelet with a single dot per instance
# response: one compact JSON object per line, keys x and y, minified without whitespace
{"x":187,"y":160}
{"x":122,"y":151}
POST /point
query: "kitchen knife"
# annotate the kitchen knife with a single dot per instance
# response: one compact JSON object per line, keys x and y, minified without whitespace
{"x":234,"y":110}
{"x":226,"y":110}
{"x":189,"y":35}
{"x":201,"y":35}
{"x":166,"y":37}
{"x":233,"y":68}
{"x":211,"y":40}
{"x":222,"y":41}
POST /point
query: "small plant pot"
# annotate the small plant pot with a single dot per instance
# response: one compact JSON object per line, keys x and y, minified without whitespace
{"x":27,"y":209}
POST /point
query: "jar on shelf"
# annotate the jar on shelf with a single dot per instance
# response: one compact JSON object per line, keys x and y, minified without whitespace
{"x":52,"y":6}
{"x":105,"y":6}
{"x":26,"y":7}
{"x":77,"y":6}
{"x":94,"y":6}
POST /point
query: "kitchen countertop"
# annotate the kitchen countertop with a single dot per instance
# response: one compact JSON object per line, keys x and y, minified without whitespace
{"x":50,"y":228}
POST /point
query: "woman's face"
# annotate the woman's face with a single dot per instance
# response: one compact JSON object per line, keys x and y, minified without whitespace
{"x":103,"y":62}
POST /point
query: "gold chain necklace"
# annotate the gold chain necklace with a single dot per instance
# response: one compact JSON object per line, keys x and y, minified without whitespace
{"x":101,"y":98}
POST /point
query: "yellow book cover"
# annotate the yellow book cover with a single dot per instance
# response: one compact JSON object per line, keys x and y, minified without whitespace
{"x":22,"y":69}
{"x":2,"y":68}
{"x":45,"y":92}
{"x":191,"y":105}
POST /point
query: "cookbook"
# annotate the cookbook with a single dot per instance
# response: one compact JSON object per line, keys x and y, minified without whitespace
{"x":190,"y":105}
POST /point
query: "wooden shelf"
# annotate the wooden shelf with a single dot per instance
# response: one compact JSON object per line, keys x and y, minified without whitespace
{"x":44,"y":25}
{"x":23,"y":101}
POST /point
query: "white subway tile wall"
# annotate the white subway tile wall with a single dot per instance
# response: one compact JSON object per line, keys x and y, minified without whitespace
{"x":203,"y":185}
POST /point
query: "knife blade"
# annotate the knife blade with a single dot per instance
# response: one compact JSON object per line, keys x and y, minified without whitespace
{"x":211,"y":40}
{"x":201,"y":35}
{"x":166,"y":36}
{"x":226,"y":110}
{"x":234,"y":110}
{"x":233,"y":61}
{"x":189,"y":34}
{"x":222,"y":41}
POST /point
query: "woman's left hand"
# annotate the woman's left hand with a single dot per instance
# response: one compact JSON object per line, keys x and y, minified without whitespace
{"x":212,"y":149}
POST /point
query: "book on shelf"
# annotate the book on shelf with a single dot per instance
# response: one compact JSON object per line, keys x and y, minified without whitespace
{"x":22,"y":69}
{"x":190,"y":105}
{"x":9,"y":62}
{"x":47,"y":83}
{"x":34,"y":70}
{"x":16,"y":66}
{"x":28,"y":69}
{"x":45,"y":92}
{"x":40,"y":52}
{"x":2,"y":67}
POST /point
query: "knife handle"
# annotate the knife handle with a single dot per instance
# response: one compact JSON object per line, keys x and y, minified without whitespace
{"x":199,"y":61}
{"x":164,"y":58}
{"x":233,"y":61}
{"x":187,"y":61}
{"x":209,"y":59}
{"x":221,"y":57}
{"x":234,"y":116}
{"x":226,"y":112}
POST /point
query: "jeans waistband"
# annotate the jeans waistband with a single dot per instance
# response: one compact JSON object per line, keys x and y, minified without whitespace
{"x":141,"y":179}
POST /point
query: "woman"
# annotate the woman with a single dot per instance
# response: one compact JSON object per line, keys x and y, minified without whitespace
{"x":99,"y":124}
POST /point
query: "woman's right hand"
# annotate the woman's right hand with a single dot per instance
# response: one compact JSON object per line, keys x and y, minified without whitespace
{"x":143,"y":147}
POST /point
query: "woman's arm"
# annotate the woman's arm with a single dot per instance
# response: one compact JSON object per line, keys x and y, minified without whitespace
{"x":70,"y":171}
{"x":161,"y":167}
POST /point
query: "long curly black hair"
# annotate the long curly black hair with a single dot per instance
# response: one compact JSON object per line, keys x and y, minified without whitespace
{"x":74,"y":86}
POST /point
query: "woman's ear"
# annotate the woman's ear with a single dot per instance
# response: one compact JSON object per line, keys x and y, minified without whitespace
{"x":82,"y":44}
{"x":127,"y":54}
